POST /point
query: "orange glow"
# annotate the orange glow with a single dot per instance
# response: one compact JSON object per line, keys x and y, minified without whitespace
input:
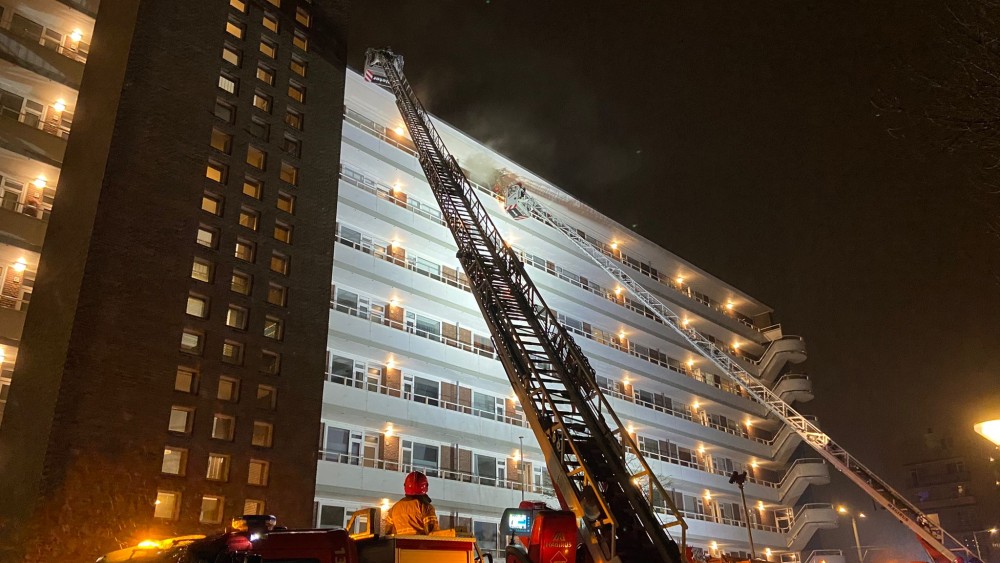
{"x":399,"y":130}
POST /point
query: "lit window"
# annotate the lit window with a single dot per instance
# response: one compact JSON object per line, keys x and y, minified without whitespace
{"x":228,"y":83}
{"x":253,"y":506}
{"x":211,"y":203}
{"x":300,"y":41}
{"x":174,"y":461}
{"x":270,"y":362}
{"x":166,"y":505}
{"x":236,"y":317}
{"x":267,"y":397}
{"x":265,"y":75}
{"x":297,"y":92}
{"x":293,"y":119}
{"x":224,"y":111}
{"x":289,"y":173}
{"x":229,"y":389}
{"x":286,"y":202}
{"x":201,"y":270}
{"x":279,"y":263}
{"x":262,"y":434}
{"x":235,"y":29}
{"x":244,"y":250}
{"x":223,"y":426}
{"x":218,"y":467}
{"x":211,"y":509}
{"x":275,"y":3}
{"x":240,"y":5}
{"x":197,"y":306}
{"x":191,"y":342}
{"x":240,"y":283}
{"x":231,"y":56}
{"x":252,"y":188}
{"x":273,"y":328}
{"x":256,"y":157}
{"x":180,"y":419}
{"x":186,"y":380}
{"x":221,"y":141}
{"x":216,"y":171}
{"x":268,"y":49}
{"x":249,"y":218}
{"x":283,"y":232}
{"x":298,"y":66}
{"x":232,"y":352}
{"x":302,"y":16}
{"x":276,"y":294}
{"x":270,"y":22}
{"x":257,"y":474}
{"x":206,"y":236}
{"x":262,"y":102}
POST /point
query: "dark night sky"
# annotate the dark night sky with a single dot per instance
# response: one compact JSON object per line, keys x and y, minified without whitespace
{"x":741,"y":136}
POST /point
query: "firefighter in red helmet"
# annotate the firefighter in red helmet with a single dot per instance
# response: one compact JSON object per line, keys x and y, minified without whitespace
{"x":414,"y":513}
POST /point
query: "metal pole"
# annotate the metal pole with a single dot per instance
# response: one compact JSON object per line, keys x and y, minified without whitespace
{"x":857,"y":542}
{"x":746,"y":512}
{"x":979,"y":554}
{"x":520,"y":464}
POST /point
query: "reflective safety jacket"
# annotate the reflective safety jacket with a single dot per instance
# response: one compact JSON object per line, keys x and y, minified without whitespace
{"x":412,"y":515}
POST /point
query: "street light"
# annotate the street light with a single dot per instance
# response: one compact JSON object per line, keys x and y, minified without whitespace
{"x":989,"y":429}
{"x":979,"y":554}
{"x":854,"y":525}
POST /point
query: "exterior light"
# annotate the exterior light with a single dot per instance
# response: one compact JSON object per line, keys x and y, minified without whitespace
{"x":736,"y":345}
{"x":686,"y":321}
{"x":40,"y":182}
{"x":614,"y":245}
{"x":729,"y":305}
{"x":708,"y":494}
{"x":701,"y":449}
{"x":393,"y":242}
{"x":3,"y":355}
{"x":148,"y":544}
{"x":395,"y":187}
{"x":157,"y":501}
{"x":767,"y":552}
{"x":389,"y":430}
{"x":760,"y":506}
{"x":715,"y":545}
{"x":680,"y":279}
{"x":393,"y":302}
{"x":862,"y":515}
{"x":20,"y":265}
{"x":989,"y":429}
{"x":754,"y":465}
{"x":60,"y":105}
{"x":76,"y":36}
{"x":621,"y":335}
{"x":690,"y":363}
{"x":993,"y":530}
{"x":695,"y":405}
{"x":618,"y":291}
{"x":398,"y":130}
{"x":748,"y":423}
{"x":842,"y":509}
{"x":625,"y":380}
{"x":631,"y":429}
{"x":390,"y":364}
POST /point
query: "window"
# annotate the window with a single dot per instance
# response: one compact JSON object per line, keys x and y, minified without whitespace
{"x":207,"y":236}
{"x":253,"y":188}
{"x":289,"y":173}
{"x":202,"y":270}
{"x":221,"y":141}
{"x":268,"y":49}
{"x":244,"y":250}
{"x":235,"y":29}
{"x":240,"y":5}
{"x":425,"y":391}
{"x":249,"y":218}
{"x":211,"y":509}
{"x":232,"y":352}
{"x":224,"y":111}
{"x":277,"y":294}
{"x":262,"y":434}
{"x":229,"y":389}
{"x":166,"y":505}
{"x":252,"y":506}
{"x":283,"y":232}
{"x":293,"y":119}
{"x":211,"y":203}
{"x":279,"y":263}
{"x":486,"y":469}
{"x":270,"y":362}
{"x":302,"y":16}
{"x":267,"y":397}
{"x":331,"y":516}
{"x":275,"y":3}
{"x":216,"y":171}
{"x":297,"y":92}
{"x":197,"y":306}
{"x":191,"y":341}
{"x":270,"y":22}
{"x":186,"y":380}
{"x":223,"y":426}
{"x":231,"y":56}
{"x":262,"y":102}
{"x":286,"y":202}
{"x":228,"y":83}
{"x":273,"y":328}
{"x":236,"y":317}
{"x":299,"y":40}
{"x":265,"y":75}
{"x":181,"y":419}
{"x":174,"y":461}
{"x":257,"y":475}
{"x":421,"y":457}
{"x":241,"y":283}
{"x":291,"y":146}
{"x":256,"y":157}
{"x":298,"y":66}
{"x":218,"y":467}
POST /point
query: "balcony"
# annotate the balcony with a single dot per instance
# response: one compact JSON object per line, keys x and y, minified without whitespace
{"x":88,"y":7}
{"x":824,"y":556}
{"x":31,"y":142}
{"x":22,"y":228}
{"x":62,"y":67}
{"x":794,"y":388}
{"x":809,"y":519}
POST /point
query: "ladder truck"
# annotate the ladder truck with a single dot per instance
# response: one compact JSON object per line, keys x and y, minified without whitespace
{"x":586,"y":448}
{"x":939,"y":544}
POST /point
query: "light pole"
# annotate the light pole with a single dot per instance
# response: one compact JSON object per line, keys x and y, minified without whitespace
{"x":975,"y":540}
{"x":739,"y":479}
{"x":989,"y":429}
{"x":854,"y":525}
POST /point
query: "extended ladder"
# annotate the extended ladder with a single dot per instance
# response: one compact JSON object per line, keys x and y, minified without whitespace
{"x":520,"y":204}
{"x":582,"y":438}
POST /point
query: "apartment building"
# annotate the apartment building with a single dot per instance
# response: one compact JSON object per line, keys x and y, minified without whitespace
{"x":168,"y":184}
{"x":413,"y":381}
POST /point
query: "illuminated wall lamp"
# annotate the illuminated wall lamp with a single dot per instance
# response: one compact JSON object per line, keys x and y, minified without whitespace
{"x":20,"y":265}
{"x":60,"y":105}
{"x":40,"y":182}
{"x":398,"y":130}
{"x":389,"y":430}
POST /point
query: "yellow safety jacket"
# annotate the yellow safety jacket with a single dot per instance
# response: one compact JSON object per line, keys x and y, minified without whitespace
{"x":412,"y":515}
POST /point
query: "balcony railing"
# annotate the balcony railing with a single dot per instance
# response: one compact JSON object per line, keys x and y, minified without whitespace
{"x":689,"y":515}
{"x":33,"y":211}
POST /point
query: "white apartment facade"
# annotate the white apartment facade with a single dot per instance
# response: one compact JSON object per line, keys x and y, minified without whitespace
{"x":413,"y":382}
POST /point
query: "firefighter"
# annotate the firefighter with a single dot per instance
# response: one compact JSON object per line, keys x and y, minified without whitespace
{"x":414,"y":513}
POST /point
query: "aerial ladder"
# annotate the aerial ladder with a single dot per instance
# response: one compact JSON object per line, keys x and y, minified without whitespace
{"x":940,"y":545}
{"x":596,"y":467}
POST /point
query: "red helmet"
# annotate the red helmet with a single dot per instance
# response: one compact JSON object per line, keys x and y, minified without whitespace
{"x":415,"y":483}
